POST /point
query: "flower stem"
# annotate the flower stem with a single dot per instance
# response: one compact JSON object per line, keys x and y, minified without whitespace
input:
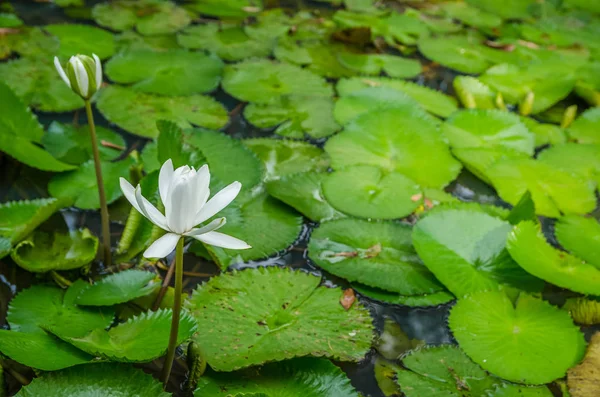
{"x":101,"y":194}
{"x":176,"y":312}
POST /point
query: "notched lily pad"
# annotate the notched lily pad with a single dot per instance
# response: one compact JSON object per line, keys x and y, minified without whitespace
{"x":433,"y":299}
{"x":253,"y":316}
{"x":585,"y":128}
{"x":82,"y":39}
{"x":118,"y":288}
{"x":375,"y":64}
{"x":575,"y":158}
{"x":581,"y":237}
{"x":19,"y":218}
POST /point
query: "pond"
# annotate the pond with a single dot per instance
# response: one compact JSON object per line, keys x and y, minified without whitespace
{"x":406,"y":194}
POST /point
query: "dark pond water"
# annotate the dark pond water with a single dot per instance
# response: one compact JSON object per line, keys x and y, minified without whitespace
{"x":20,"y":182}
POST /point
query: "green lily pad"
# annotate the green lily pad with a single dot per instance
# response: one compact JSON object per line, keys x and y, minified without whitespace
{"x":466,"y":251}
{"x":149,"y":17}
{"x":433,"y":299}
{"x":528,"y":341}
{"x":445,"y":371}
{"x":294,"y":116}
{"x":230,"y":43}
{"x":374,"y":99}
{"x":375,"y":64}
{"x":433,"y":101}
{"x":39,"y":86}
{"x":546,"y":82}
{"x":396,"y":140}
{"x":142,"y":338}
{"x":580,"y":236}
{"x":376,"y":254}
{"x":81,"y":188}
{"x":545,"y":134}
{"x":318,"y":56}
{"x":82,"y":39}
{"x":263,"y":81}
{"x":138,"y":112}
{"x":264,"y":223}
{"x":31,"y":42}
{"x":9,"y":20}
{"x":553,"y":191}
{"x":20,"y":134}
{"x":510,"y":390}
{"x":282,"y":157}
{"x":235,"y":9}
{"x":366,"y":191}
{"x":510,"y":9}
{"x":104,"y":379}
{"x":254,"y":316}
{"x":43,"y":252}
{"x":307,"y":377}
{"x":588,"y":84}
{"x":474,"y":94}
{"x":118,"y":288}
{"x":532,"y":252}
{"x":575,"y":158}
{"x":130,"y":40}
{"x":585,"y":128}
{"x":73,"y":145}
{"x":469,"y":15}
{"x":19,"y":218}
{"x":303,"y":192}
{"x":171,"y":72}
{"x":5,"y":247}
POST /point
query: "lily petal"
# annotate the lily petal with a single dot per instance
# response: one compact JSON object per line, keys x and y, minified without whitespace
{"x":201,"y":189}
{"x":214,"y":225}
{"x":218,"y":202}
{"x":178,"y":207}
{"x":164,"y":179}
{"x":150,"y":211}
{"x":163,"y":246}
{"x":81,"y":76}
{"x":98,"y":71}
{"x":222,"y":240}
{"x":61,"y":71}
{"x":129,"y":193}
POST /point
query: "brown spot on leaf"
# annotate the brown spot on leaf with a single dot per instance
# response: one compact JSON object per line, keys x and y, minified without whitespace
{"x":348,"y":298}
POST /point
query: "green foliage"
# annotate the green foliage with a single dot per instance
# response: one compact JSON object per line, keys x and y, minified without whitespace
{"x":253,"y":316}
{"x":585,"y":128}
{"x":118,"y":288}
{"x":375,"y":64}
{"x":82,"y":39}
{"x":575,"y":158}
{"x":580,"y":236}
{"x":433,"y":299}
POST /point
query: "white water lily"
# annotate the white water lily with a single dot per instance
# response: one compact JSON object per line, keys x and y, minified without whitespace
{"x":83,"y":74}
{"x":184,"y":193}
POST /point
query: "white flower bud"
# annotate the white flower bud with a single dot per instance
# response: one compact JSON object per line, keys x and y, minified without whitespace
{"x":83,"y":74}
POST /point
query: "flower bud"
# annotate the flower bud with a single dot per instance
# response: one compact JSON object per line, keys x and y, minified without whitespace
{"x":83,"y":74}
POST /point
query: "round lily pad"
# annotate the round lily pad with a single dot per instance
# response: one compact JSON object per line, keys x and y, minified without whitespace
{"x":580,"y":236}
{"x":19,"y":218}
{"x":433,"y":101}
{"x":138,"y":112}
{"x":377,"y":254}
{"x":585,"y":128}
{"x":510,"y":9}
{"x":82,"y":39}
{"x":444,"y":371}
{"x":473,"y":93}
{"x":318,"y":56}
{"x":553,"y":191}
{"x":511,"y":390}
{"x":530,"y":249}
{"x":230,"y":43}
{"x":130,"y":40}
{"x":234,"y":9}
{"x":526,"y":341}
{"x":465,"y":250}
{"x":369,"y":192}
{"x":254,"y":317}
{"x":116,"y":380}
{"x":375,"y":64}
{"x":307,"y":377}
{"x":295,"y":116}
{"x":545,"y":134}
{"x":262,"y":81}
{"x":43,"y":252}
{"x":461,"y":53}
{"x":395,"y":140}
{"x":171,"y":72}
{"x":433,"y":299}
{"x":575,"y":158}
{"x":470,"y":15}
{"x":118,"y":288}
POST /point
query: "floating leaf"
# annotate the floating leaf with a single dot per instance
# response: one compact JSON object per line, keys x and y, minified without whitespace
{"x":433,"y":101}
{"x":130,"y":40}
{"x":43,"y":252}
{"x":585,"y":128}
{"x":303,"y":192}
{"x":318,"y":57}
{"x":524,"y":210}
{"x":510,"y":9}
{"x":72,"y":144}
{"x":465,"y":250}
{"x":141,"y":339}
{"x":105,"y":379}
{"x":574,"y":158}
{"x":434,"y":299}
{"x":282,"y":157}
{"x":19,"y":218}
{"x":445,"y":371}
{"x":171,"y":72}
{"x":510,"y":390}
{"x":263,"y":81}
{"x":38,"y":85}
{"x":528,"y":341}
{"x":81,"y":188}
{"x":553,"y":191}
{"x":20,"y":134}
{"x":149,"y":17}
{"x":118,"y":288}
{"x":545,"y":133}
{"x":580,"y":236}
{"x":584,"y":311}
{"x":295,"y":116}
{"x":230,"y":43}
{"x":395,"y":140}
{"x":473,"y":93}
{"x":469,"y":15}
{"x":227,"y":9}
{"x":370,"y":192}
{"x":253,"y":317}
{"x":82,"y":39}
{"x":376,"y":254}
{"x":138,"y":112}
{"x":583,"y":379}
{"x":529,"y":248}
{"x":375,"y":64}
{"x":307,"y":377}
